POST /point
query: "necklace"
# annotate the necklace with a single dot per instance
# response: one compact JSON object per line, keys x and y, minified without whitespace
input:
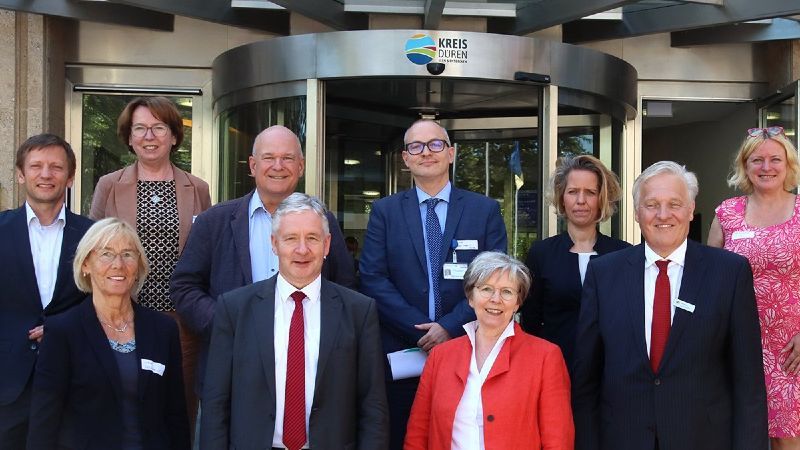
{"x":118,"y":330}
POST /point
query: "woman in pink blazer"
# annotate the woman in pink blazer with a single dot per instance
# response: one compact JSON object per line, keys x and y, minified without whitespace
{"x":497,"y":387}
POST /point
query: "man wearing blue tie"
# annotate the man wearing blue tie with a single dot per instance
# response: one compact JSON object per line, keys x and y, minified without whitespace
{"x":416,"y":249}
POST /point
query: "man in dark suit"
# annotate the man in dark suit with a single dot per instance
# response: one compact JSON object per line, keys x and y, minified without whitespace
{"x":38,"y":240}
{"x":419,"y":292}
{"x":295,"y":360}
{"x":668,"y":352}
{"x":229,"y":244}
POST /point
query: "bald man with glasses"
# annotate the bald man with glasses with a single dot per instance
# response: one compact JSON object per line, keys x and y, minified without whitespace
{"x":417,"y":246}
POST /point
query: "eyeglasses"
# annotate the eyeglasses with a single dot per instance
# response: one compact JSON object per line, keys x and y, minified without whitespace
{"x":107,"y":256}
{"x":434,"y":145}
{"x":487,"y":292}
{"x":766,"y":132}
{"x":159,"y":130}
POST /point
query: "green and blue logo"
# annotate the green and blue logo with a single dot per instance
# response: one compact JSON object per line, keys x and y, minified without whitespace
{"x":420,"y":49}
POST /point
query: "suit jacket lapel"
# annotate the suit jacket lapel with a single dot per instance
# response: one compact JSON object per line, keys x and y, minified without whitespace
{"x":125,"y":195}
{"x":410,"y":205}
{"x":264,"y":320}
{"x":145,"y":346}
{"x":240,"y":228}
{"x":454,"y":211}
{"x":69,"y":242}
{"x":634,"y":293}
{"x":330,"y":318}
{"x":691,"y":280}
{"x":98,"y":342}
{"x":184,"y":192}
{"x":503,"y":360}
{"x":22,"y":244}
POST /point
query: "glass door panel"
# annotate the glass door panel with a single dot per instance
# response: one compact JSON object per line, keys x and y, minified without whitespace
{"x":507,"y":170}
{"x":238,"y":129}
{"x":782,"y":112}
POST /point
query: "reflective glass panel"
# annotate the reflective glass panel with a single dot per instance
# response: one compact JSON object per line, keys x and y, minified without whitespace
{"x":238,"y":128}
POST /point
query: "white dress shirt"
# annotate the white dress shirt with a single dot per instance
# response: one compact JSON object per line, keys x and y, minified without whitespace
{"x":583,"y":263}
{"x":263,"y":261}
{"x":46,"y":251}
{"x":675,"y":271}
{"x":468,"y":423}
{"x":284,"y":308}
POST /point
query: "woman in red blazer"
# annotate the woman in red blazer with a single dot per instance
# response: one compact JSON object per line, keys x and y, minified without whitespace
{"x":497,"y":387}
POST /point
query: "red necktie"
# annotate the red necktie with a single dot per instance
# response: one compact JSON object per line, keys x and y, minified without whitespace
{"x":661,"y":316}
{"x":294,"y":406}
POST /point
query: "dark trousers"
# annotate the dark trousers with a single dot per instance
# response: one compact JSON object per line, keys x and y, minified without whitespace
{"x":400,"y":395}
{"x":14,"y":421}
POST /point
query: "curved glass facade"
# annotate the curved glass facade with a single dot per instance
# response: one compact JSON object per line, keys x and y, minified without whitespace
{"x":238,"y":128}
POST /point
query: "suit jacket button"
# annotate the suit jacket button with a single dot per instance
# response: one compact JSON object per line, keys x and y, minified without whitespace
{"x":490,"y":418}
{"x":657,"y":382}
{"x":34,"y":345}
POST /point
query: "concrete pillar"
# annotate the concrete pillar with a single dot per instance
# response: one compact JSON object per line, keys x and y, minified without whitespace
{"x":23,"y":111}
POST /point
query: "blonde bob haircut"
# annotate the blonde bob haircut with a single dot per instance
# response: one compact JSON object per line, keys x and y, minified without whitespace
{"x":739,"y":179}
{"x":608,"y":190}
{"x":97,"y":237}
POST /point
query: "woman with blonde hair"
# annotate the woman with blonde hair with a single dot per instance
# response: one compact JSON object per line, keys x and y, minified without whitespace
{"x":109,"y":370}
{"x":764,"y":226}
{"x":585,"y":193}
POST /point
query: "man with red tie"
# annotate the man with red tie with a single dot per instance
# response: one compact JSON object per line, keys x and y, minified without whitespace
{"x":295,"y":360}
{"x":669,"y":352}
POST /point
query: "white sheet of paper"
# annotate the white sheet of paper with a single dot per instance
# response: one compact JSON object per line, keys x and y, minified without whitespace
{"x":407,"y":363}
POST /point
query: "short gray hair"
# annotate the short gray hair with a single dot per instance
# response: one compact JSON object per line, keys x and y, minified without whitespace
{"x":299,"y":202}
{"x":488,"y":263}
{"x":97,"y":237}
{"x":669,"y":167}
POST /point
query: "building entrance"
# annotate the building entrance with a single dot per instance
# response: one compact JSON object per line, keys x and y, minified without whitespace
{"x":350,"y":97}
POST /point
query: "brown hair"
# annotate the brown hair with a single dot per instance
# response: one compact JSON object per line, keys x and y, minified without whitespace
{"x":161,"y":108}
{"x":608,"y":184}
{"x":45,"y":140}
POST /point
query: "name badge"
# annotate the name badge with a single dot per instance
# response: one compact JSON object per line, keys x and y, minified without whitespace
{"x":743,"y":234}
{"x":152,"y":366}
{"x":683,"y":305}
{"x":466,"y":244}
{"x":454,"y":271}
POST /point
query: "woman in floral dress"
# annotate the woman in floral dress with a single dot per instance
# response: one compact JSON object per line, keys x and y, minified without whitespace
{"x":764,"y":226}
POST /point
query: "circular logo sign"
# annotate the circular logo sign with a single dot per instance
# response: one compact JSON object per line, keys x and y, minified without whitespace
{"x":420,"y":49}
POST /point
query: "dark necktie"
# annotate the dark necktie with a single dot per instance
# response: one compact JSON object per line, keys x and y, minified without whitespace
{"x":661,"y":316}
{"x":433,"y":233}
{"x":294,"y":405}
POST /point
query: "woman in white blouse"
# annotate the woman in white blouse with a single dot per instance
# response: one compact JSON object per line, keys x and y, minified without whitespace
{"x":497,"y":387}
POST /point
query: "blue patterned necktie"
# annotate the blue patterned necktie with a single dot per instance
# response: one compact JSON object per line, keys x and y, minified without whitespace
{"x":433,"y":232}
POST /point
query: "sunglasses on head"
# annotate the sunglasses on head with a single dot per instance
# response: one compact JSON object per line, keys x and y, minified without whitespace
{"x":766,"y":132}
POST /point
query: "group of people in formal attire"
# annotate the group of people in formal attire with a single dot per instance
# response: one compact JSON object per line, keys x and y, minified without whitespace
{"x":162,"y":322}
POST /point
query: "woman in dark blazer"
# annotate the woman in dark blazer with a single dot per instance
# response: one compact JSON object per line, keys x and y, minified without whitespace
{"x":584,"y":192}
{"x":109,"y":370}
{"x":160,"y":201}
